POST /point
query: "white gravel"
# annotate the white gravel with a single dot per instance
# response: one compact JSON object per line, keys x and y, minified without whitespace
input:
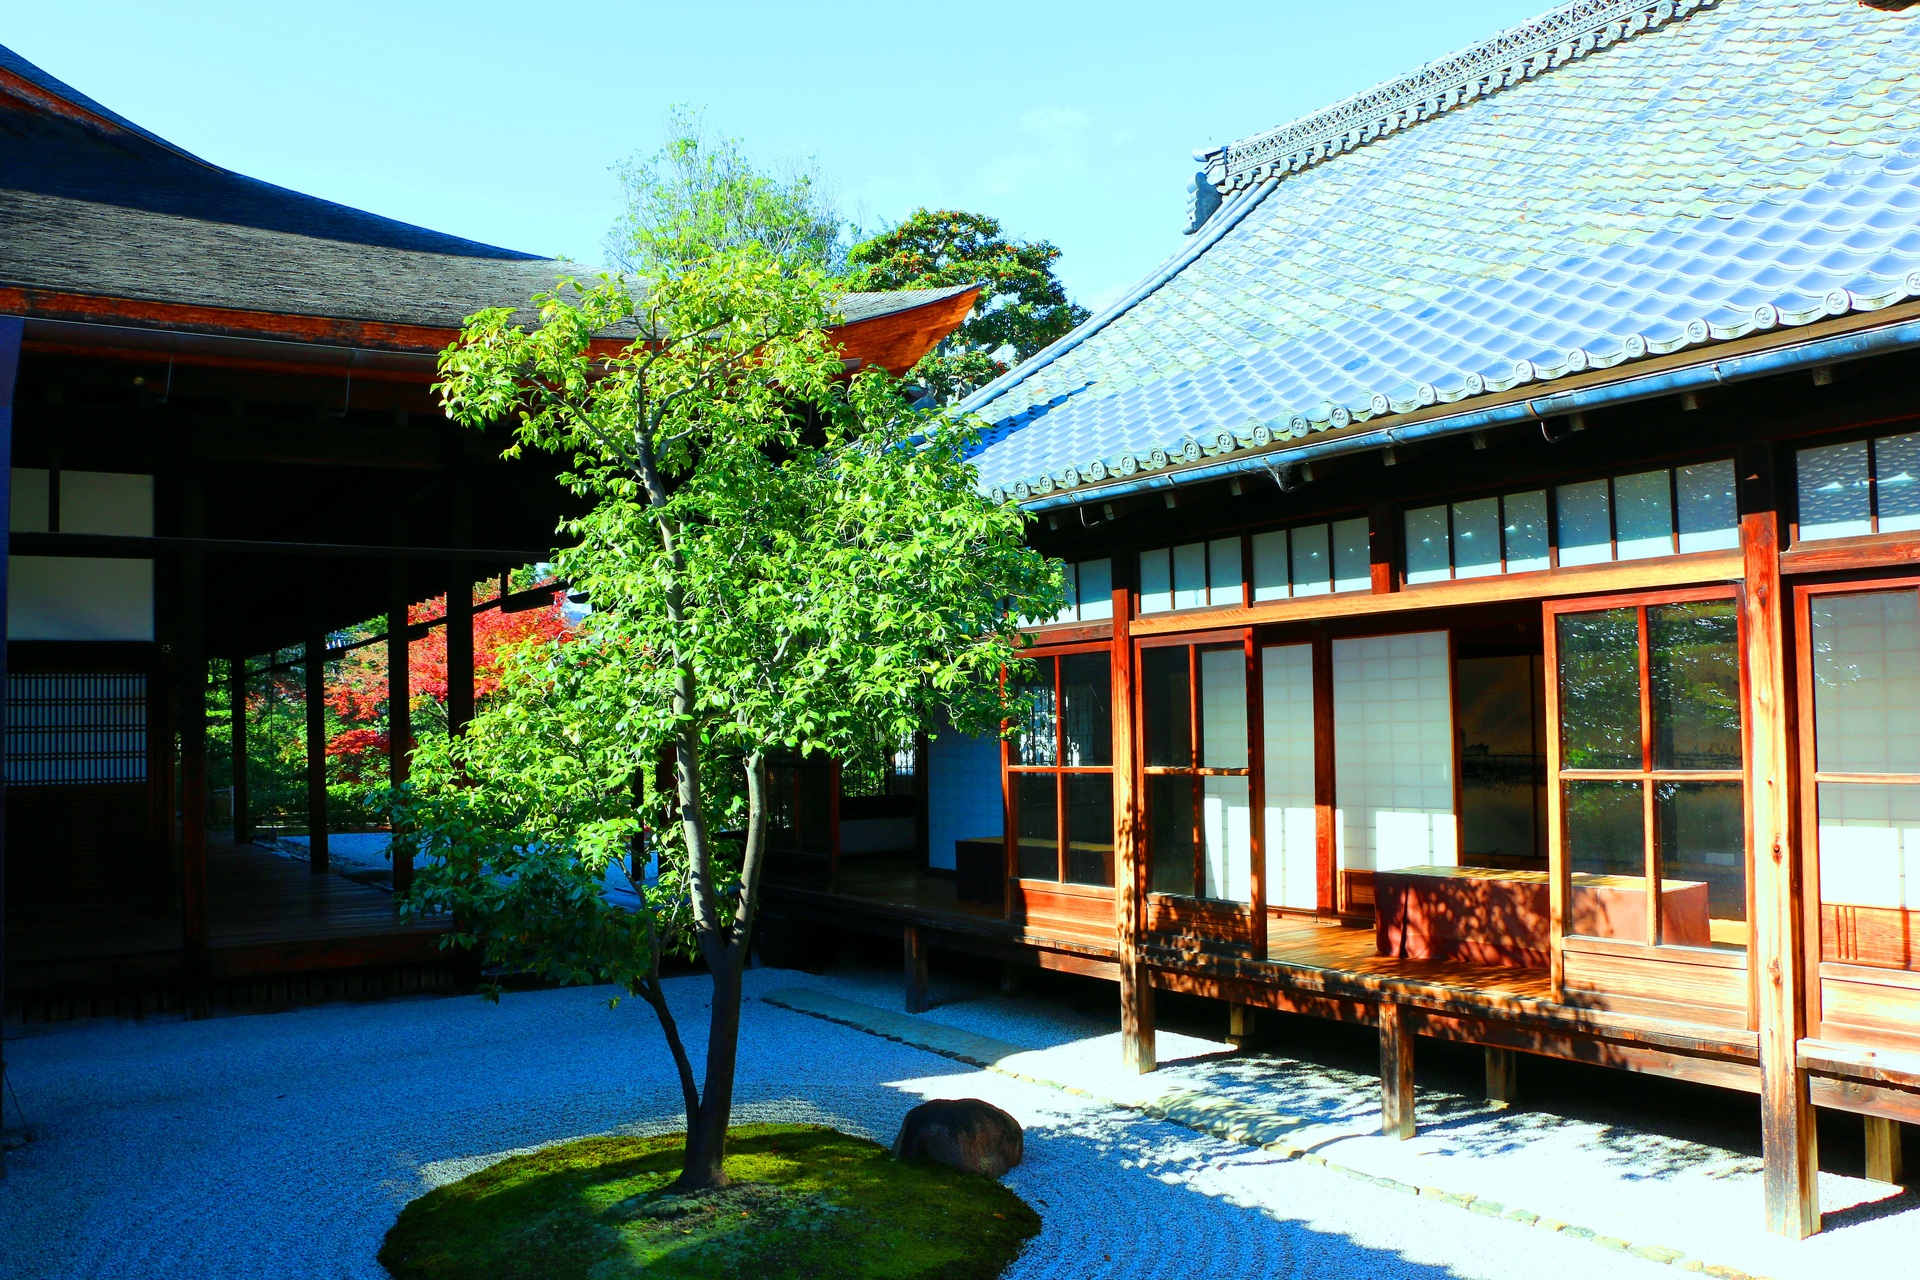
{"x":283,"y":1145}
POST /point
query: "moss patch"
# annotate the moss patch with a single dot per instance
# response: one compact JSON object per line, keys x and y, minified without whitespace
{"x":806,"y":1201}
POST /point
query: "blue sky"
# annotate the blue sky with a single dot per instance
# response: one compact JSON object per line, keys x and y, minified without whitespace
{"x":1072,"y":122}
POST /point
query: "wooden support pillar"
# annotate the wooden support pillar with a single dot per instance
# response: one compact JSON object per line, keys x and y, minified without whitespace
{"x":459,"y":622}
{"x":316,"y":668}
{"x":1503,"y":1076}
{"x":1789,"y":1146}
{"x":914,"y":945}
{"x":190,"y":682}
{"x":1138,"y":1053}
{"x":399,"y":705}
{"x":237,"y":724}
{"x":1396,"y":1070}
{"x":1884,"y":1157}
{"x":11,"y":328}
{"x":1009,"y":977}
{"x":1239,"y":1024}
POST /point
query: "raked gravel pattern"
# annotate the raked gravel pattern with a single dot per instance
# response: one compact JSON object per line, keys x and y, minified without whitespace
{"x":283,"y":1145}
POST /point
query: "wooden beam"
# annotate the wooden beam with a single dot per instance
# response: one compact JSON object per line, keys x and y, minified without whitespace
{"x":316,"y":648}
{"x":914,"y":948}
{"x":1503,"y":1076}
{"x":1885,"y":1161}
{"x":1138,"y":1052}
{"x":237,"y":723}
{"x":1788,"y":1139}
{"x":190,"y":669}
{"x":460,"y":601}
{"x":111,"y":547}
{"x":1396,"y":1070}
{"x":1240,"y":1021}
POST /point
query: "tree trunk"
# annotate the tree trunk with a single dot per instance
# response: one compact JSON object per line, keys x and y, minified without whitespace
{"x":707,"y":1134}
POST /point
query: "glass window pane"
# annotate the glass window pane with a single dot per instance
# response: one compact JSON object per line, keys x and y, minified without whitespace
{"x":1695,"y":683}
{"x":1227,"y":821}
{"x":1896,"y":467}
{"x":1090,"y":828}
{"x":1096,"y":589}
{"x":1286,"y":731}
{"x":1223,"y":708}
{"x":1190,"y":576}
{"x":1352,"y":564}
{"x":1038,"y":741}
{"x":1599,"y":689}
{"x":1070,"y":579}
{"x":1393,"y":751}
{"x":1428,"y":559}
{"x":1586,"y":530}
{"x":1270,"y":565}
{"x":1165,"y":690}
{"x":1037,"y":831}
{"x":1156,"y":581}
{"x":1703,"y":863}
{"x":1223,"y":571}
{"x":1866,"y":682}
{"x":1607,"y":853}
{"x":1525,"y":529}
{"x":1312,"y":570}
{"x":1834,"y":501}
{"x":1870,"y":856}
{"x":1709,"y":517}
{"x":1170,"y":836}
{"x":1476,"y":538}
{"x":1643,"y":514}
{"x":1502,"y":768}
{"x":1086,"y":713}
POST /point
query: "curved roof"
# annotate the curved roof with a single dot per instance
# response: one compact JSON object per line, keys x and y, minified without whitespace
{"x":1653,"y":177}
{"x":107,"y":221}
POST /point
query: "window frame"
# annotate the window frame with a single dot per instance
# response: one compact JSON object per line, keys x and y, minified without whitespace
{"x":1550,"y":486}
{"x":1242,"y":638}
{"x":1559,"y":863}
{"x":1009,"y":770}
{"x":1816,"y":967}
{"x":1871,"y":439}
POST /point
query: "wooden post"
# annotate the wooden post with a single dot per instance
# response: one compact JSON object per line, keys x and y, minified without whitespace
{"x":190,"y":674}
{"x":1396,"y":1070}
{"x":237,"y":724}
{"x":11,"y":328}
{"x":914,"y":944}
{"x":1884,"y":1157}
{"x":1503,"y":1076}
{"x":1137,"y":1049}
{"x":399,"y":704}
{"x":1009,"y":977}
{"x":315,"y":660}
{"x":1239,"y":1024}
{"x":1788,"y":1141}
{"x":459,"y":622}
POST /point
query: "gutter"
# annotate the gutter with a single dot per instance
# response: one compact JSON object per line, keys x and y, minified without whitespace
{"x":1760,"y":364}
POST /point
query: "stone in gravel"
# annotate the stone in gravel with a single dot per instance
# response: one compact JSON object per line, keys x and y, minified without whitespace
{"x":962,"y":1133}
{"x":1657,"y":1253}
{"x":1613,"y":1242}
{"x":1492,"y":1208}
{"x":1578,"y":1233}
{"x":1521,"y":1216}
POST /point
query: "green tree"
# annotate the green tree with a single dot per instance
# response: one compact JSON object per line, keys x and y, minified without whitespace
{"x":1022,"y":306}
{"x":780,"y":559}
{"x":698,"y":194}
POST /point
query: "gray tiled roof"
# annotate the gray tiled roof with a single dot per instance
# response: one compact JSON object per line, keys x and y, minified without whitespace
{"x":1694,"y":173}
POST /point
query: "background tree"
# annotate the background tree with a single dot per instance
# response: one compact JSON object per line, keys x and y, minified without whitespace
{"x":780,"y":559}
{"x":1022,"y":308}
{"x":698,"y":194}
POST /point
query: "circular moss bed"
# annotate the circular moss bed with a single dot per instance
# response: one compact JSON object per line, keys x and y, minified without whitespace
{"x":806,"y":1201}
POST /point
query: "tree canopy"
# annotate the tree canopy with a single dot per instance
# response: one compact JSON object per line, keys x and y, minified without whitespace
{"x":698,"y":194}
{"x":1022,"y":307}
{"x":781,"y":559}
